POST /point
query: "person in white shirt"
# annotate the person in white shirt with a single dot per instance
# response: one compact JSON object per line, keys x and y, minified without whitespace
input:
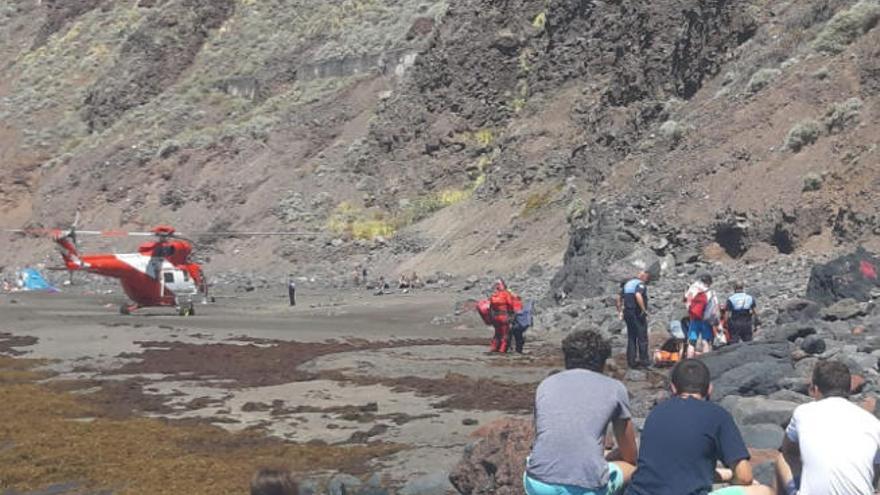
{"x":831,"y":446}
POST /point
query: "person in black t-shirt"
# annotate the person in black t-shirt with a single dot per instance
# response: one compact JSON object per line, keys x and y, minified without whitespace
{"x":684,"y":438}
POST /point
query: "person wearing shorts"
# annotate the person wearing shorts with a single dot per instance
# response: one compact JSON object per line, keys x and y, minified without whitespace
{"x":573,"y":409}
{"x":686,"y":436}
{"x":702,"y":306}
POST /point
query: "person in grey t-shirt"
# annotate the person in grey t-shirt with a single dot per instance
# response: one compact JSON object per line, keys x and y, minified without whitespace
{"x":573,"y":409}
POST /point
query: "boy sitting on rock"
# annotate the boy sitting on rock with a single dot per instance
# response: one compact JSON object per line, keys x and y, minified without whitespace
{"x":685,"y":437}
{"x":572,"y":412}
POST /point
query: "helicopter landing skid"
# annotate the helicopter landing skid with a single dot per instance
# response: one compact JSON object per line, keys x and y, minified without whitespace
{"x":126,"y":309}
{"x":185,"y":307}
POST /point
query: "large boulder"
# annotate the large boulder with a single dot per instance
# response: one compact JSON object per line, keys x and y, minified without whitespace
{"x":798,"y":310}
{"x":495,"y":463}
{"x":813,"y":344}
{"x":845,"y":309}
{"x":753,"y":379}
{"x":751,"y":411}
{"x":430,"y":484}
{"x":751,"y":369}
{"x":763,"y":436}
{"x":853,"y":276}
{"x":596,"y":241}
{"x":733,"y":356}
{"x":641,"y":259}
{"x":791,"y":331}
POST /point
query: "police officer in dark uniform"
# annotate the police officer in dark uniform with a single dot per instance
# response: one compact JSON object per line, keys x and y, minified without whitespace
{"x":291,"y":290}
{"x":742,"y":315}
{"x":632,"y":307}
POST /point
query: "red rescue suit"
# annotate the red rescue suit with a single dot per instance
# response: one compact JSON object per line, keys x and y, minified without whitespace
{"x":501,"y":308}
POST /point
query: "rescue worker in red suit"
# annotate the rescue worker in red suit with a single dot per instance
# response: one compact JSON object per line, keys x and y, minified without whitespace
{"x":501,"y":309}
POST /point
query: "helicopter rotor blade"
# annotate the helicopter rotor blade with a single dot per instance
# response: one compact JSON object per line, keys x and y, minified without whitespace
{"x":247,"y":233}
{"x":115,"y":233}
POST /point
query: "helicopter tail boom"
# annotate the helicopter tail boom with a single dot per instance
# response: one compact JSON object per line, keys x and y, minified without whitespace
{"x":67,"y":246}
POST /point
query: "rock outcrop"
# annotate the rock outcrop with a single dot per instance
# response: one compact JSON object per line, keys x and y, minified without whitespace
{"x":495,"y":463}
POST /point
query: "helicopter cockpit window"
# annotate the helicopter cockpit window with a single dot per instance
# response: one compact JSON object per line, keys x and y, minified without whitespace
{"x":169,"y":278}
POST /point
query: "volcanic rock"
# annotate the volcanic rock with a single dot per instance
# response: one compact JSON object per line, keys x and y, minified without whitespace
{"x":853,"y":276}
{"x":495,"y":463}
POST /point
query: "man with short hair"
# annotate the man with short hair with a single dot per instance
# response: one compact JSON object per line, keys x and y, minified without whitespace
{"x":632,"y":308}
{"x":684,"y":438}
{"x":741,"y":315}
{"x":835,"y":443}
{"x":573,"y":409}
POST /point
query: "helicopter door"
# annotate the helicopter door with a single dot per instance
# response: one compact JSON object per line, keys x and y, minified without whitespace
{"x":176,"y":281}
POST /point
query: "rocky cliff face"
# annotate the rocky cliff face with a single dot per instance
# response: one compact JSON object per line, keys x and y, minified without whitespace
{"x":447,"y":130}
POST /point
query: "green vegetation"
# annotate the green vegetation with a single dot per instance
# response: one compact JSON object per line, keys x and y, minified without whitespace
{"x":540,"y":21}
{"x":577,"y":210}
{"x":256,"y":42}
{"x":538,"y":200}
{"x":673,"y":131}
{"x":822,"y":73}
{"x":847,"y":26}
{"x":812,"y":182}
{"x":762,"y":78}
{"x":841,"y":115}
{"x":357,"y":223}
{"x":804,"y":133}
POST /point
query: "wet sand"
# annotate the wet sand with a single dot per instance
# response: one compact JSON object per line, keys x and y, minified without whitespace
{"x":338,"y":368}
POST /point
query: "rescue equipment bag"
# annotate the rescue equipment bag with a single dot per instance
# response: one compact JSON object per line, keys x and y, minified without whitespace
{"x":669,"y":353}
{"x":697,"y":307}
{"x":710,"y":312}
{"x":483,"y":309}
{"x":523,"y":319}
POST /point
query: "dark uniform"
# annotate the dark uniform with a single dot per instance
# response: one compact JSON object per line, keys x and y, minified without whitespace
{"x":740,"y":317}
{"x":291,"y":292}
{"x":636,"y":323}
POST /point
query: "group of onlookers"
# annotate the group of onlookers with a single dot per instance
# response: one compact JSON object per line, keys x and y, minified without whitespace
{"x":831,"y":446}
{"x":688,"y":443}
{"x":707,"y":322}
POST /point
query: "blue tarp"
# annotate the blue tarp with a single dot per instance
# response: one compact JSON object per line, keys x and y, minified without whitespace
{"x":32,"y":280}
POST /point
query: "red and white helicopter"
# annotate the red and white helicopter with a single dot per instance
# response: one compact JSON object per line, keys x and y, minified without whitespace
{"x":161,"y":273}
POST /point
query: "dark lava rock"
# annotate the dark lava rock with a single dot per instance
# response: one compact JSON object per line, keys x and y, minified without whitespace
{"x":748,"y":411}
{"x":430,"y":484}
{"x":813,"y":344}
{"x":798,"y":310}
{"x":762,"y":436}
{"x":753,"y":379}
{"x":791,"y":331}
{"x":593,"y":244}
{"x":853,"y":276}
{"x":747,"y":370}
{"x":845,"y":309}
{"x":728,"y":358}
